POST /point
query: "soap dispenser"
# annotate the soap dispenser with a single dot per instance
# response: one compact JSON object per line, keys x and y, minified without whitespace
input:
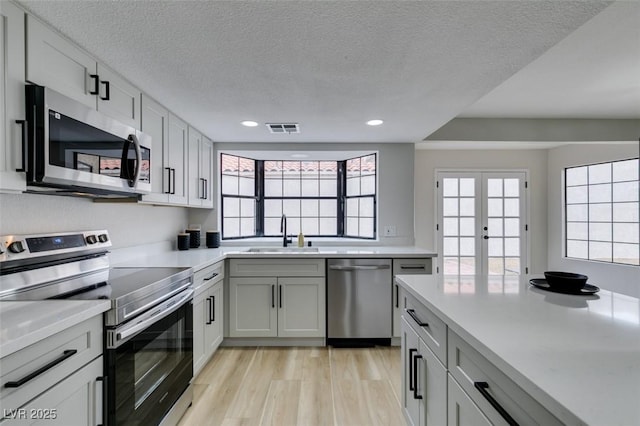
{"x":300,"y":240}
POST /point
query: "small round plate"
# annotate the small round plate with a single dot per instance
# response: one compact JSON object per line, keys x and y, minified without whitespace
{"x":543,"y":284}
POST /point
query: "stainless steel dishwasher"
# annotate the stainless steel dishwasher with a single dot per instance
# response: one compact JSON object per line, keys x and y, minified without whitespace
{"x":359,"y":305}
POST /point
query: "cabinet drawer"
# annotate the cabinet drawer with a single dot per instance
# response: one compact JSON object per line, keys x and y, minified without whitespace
{"x":482,"y":381}
{"x":276,"y":267}
{"x":411,"y":266}
{"x":53,"y":352}
{"x":429,"y":327}
{"x":205,"y":277}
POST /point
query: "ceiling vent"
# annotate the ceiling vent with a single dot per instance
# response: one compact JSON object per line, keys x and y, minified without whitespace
{"x":283,"y":127}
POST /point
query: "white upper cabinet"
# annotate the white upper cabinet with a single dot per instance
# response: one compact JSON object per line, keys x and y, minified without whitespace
{"x":57,"y":63}
{"x":200,"y":170}
{"x":176,"y":162}
{"x":155,"y":123}
{"x":12,"y":109}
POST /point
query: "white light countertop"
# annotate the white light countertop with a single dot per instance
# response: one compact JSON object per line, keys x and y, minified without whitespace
{"x":579,"y":354}
{"x":25,"y":323}
{"x":199,"y":258}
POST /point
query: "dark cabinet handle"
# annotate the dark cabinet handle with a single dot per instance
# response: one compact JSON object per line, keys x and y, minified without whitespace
{"x":273,"y":300}
{"x":206,"y":189}
{"x":411,"y":351}
{"x":202,"y":186}
{"x":104,"y":380}
{"x":209,"y":303}
{"x":22,"y":124}
{"x":66,"y":354}
{"x":173,"y":189}
{"x":397,"y":296}
{"x":482,"y":388}
{"x":107,"y":89}
{"x":168,"y":169}
{"x":280,"y":295}
{"x":215,"y":274}
{"x":415,"y":376}
{"x":416,"y":267}
{"x":96,"y":84}
{"x":412,"y":314}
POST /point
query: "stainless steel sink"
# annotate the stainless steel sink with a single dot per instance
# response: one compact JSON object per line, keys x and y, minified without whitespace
{"x":283,"y":250}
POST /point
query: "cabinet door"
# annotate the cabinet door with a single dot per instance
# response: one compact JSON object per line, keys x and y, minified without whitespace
{"x":12,"y":107}
{"x":195,"y":186}
{"x":177,"y":160}
{"x":155,"y":122}
{"x":301,"y":307}
{"x":206,"y":171}
{"x":55,"y":62}
{"x":200,"y":316}
{"x":213,"y":329}
{"x":462,"y":411}
{"x":252,"y":307}
{"x":432,"y":385}
{"x":75,"y":401}
{"x":409,"y":348}
{"x":397,"y":310}
{"x":118,"y":98}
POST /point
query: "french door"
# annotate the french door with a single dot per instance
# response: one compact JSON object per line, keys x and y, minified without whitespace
{"x":482,"y":223}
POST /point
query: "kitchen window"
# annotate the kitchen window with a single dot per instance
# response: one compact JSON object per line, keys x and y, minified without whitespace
{"x":602,"y":212}
{"x":320,"y":198}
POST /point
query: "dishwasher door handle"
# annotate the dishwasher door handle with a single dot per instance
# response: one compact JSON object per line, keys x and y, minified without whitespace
{"x":359,"y":268}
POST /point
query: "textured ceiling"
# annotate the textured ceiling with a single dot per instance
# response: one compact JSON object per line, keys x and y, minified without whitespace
{"x":593,"y":73}
{"x":329,"y":66}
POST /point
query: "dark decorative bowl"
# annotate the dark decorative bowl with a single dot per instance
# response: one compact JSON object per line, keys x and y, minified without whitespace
{"x":565,"y":280}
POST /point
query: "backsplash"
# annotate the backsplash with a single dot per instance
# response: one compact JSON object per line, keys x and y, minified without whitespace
{"x":129,"y":224}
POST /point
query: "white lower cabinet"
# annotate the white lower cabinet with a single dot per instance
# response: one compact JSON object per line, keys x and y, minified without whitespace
{"x":461,"y":409}
{"x":75,"y":401}
{"x":56,"y":381}
{"x":445,"y":380}
{"x":424,"y":397}
{"x":207,"y":314}
{"x":277,"y":307}
{"x":409,"y":266}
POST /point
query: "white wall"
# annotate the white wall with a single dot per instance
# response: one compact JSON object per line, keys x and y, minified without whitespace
{"x":395,"y":184}
{"x":620,"y":278}
{"x":129,"y":224}
{"x":534,"y":161}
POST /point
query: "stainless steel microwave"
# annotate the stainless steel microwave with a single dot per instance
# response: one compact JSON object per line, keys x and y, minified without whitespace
{"x":72,"y":149}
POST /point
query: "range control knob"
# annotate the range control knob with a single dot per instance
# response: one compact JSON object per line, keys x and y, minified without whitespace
{"x":103,"y":238}
{"x":16,"y":247}
{"x":91,"y":239}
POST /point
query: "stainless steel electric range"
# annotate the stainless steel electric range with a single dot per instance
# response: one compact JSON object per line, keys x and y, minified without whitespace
{"x":148,"y":347}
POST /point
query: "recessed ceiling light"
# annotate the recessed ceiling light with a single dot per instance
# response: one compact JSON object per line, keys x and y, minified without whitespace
{"x":249,"y":123}
{"x":374,"y":122}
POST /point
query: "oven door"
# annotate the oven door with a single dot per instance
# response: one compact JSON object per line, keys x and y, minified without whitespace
{"x":149,"y":366}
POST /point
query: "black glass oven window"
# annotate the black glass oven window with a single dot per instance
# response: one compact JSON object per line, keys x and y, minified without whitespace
{"x":79,"y":146}
{"x":151,"y":370}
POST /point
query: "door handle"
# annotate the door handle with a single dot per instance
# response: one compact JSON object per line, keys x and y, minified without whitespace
{"x":107,"y":89}
{"x":96,"y":84}
{"x":168,"y":191}
{"x":273,"y":300}
{"x":482,"y":388}
{"x":213,"y":309}
{"x":280,"y":295}
{"x":411,"y":351}
{"x":486,"y":237}
{"x":358,"y":268}
{"x":415,"y":376}
{"x":23,"y":124}
{"x":209,"y":303}
{"x":66,"y":354}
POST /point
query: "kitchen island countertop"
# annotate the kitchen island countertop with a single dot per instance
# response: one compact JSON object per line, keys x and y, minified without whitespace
{"x":576,"y":355}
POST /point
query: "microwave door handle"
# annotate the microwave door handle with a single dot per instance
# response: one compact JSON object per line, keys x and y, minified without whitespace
{"x":136,"y":144}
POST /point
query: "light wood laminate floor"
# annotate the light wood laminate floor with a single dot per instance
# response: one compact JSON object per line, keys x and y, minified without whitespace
{"x":298,"y":386}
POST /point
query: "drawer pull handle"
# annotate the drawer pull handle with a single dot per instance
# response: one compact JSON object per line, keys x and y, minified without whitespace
{"x":416,"y":267}
{"x":412,"y":314}
{"x":215,"y":274}
{"x":411,"y":351}
{"x":66,"y":354}
{"x":482,"y":388}
{"x":415,"y":376}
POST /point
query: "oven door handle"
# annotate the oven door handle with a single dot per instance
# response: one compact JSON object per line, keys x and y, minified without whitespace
{"x":126,"y":332}
{"x":148,"y":305}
